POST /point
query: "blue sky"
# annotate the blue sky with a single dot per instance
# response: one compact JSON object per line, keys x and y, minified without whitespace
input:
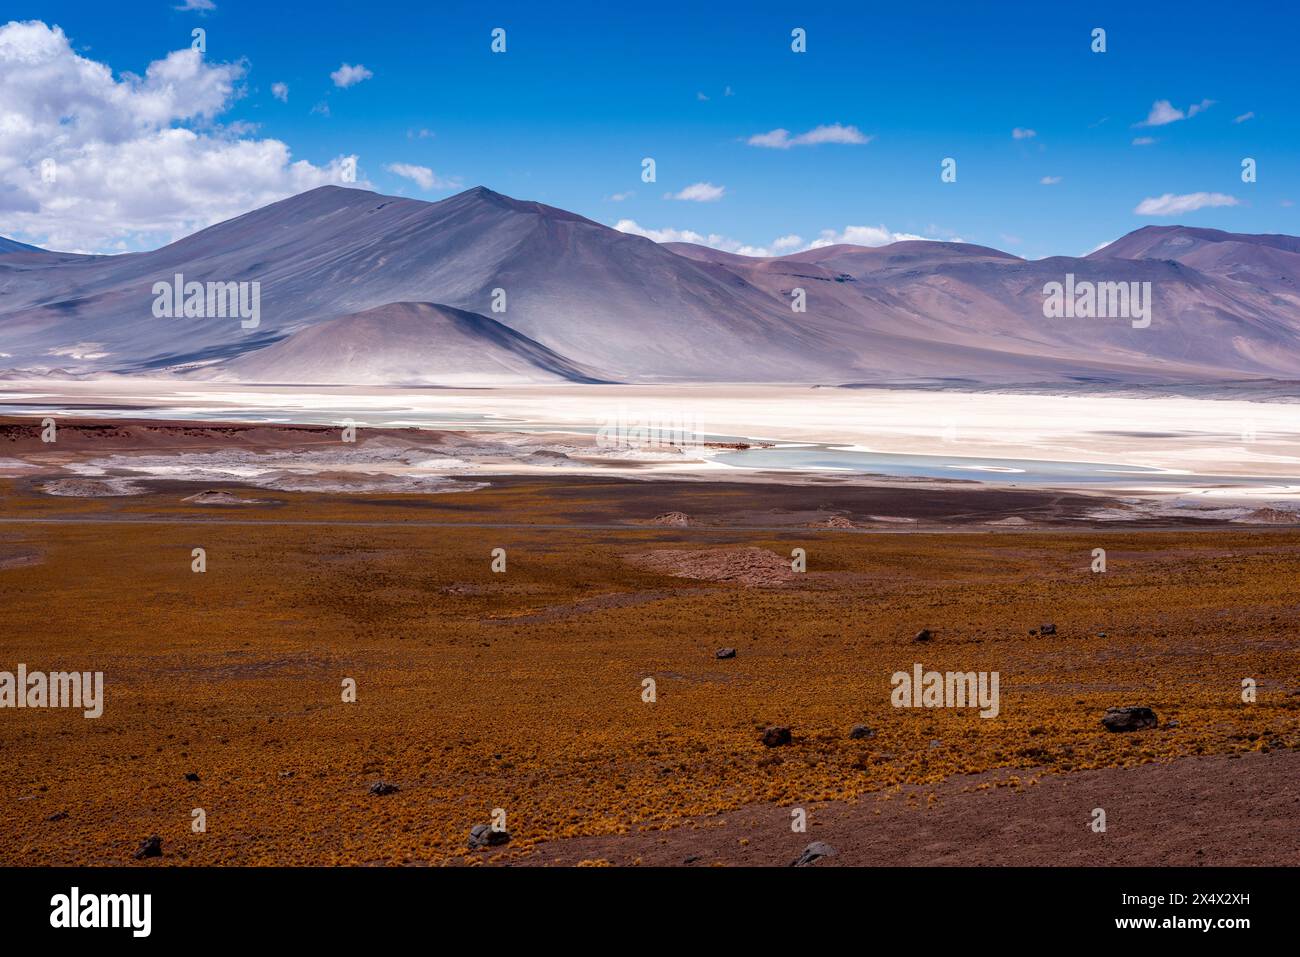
{"x":585,"y":91}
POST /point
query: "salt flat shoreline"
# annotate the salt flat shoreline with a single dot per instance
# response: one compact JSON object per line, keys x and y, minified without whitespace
{"x":1178,"y":435}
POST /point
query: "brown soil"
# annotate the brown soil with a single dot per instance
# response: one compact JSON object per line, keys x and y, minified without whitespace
{"x":742,"y":566}
{"x":1223,"y":811}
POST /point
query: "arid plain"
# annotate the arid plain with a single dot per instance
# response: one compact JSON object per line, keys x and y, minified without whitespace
{"x":522,"y":690}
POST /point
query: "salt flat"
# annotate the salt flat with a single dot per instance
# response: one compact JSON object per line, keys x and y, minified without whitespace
{"x":1143,"y":443}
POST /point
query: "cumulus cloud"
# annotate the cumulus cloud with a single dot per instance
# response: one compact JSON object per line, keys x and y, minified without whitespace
{"x":781,"y":246}
{"x":619,"y":197}
{"x":348,"y":75}
{"x":1143,"y":140}
{"x":1171,"y":205}
{"x":1050,"y":180}
{"x":280,"y":91}
{"x":1020,"y":133}
{"x":860,"y":236}
{"x":699,"y":193}
{"x":781,"y":139}
{"x":1163,"y":113}
{"x":81,"y":351}
{"x":137,"y":160}
{"x":201,"y":5}
{"x":422,"y":176}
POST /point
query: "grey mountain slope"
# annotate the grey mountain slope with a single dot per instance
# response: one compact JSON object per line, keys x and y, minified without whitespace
{"x":405,"y":343}
{"x":620,"y":307}
{"x":13,"y":246}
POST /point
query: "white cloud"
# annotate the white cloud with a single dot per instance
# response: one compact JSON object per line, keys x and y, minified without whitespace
{"x":1163,"y":113}
{"x":1244,"y":117}
{"x":348,"y":75}
{"x":280,"y":91}
{"x":860,"y":236}
{"x":701,"y":97}
{"x":422,"y":176}
{"x":781,"y":246}
{"x":619,"y":197}
{"x":129,"y":170}
{"x":671,"y":235}
{"x":81,"y":351}
{"x":1050,"y":180}
{"x":1171,"y":205}
{"x":1144,"y":140}
{"x":420,"y":134}
{"x":202,"y":5}
{"x":781,"y":139}
{"x":699,"y":193}
{"x":1019,"y":133}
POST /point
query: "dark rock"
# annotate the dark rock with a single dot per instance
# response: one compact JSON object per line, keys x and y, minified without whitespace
{"x":813,"y":853}
{"x":1048,"y":629}
{"x":482,"y":835}
{"x":191,"y":776}
{"x":381,"y":788}
{"x":861,"y":731}
{"x":1133,"y":718}
{"x":923,"y":635}
{"x":775,"y":737}
{"x":57,"y":816}
{"x":725,"y":653}
{"x":152,"y":847}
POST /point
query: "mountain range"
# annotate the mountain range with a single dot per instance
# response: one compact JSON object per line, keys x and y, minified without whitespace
{"x":480,"y":288}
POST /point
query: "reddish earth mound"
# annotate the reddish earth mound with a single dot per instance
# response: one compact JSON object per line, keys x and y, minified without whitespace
{"x":744,"y":566}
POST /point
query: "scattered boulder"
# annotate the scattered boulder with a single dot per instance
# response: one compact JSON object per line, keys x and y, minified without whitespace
{"x":1047,"y":629}
{"x":923,"y":635}
{"x":380,"y":788}
{"x":775,"y":737}
{"x":1132,"y":718}
{"x":57,"y":816}
{"x":191,"y":776}
{"x":861,"y":731}
{"x":813,"y":853}
{"x":482,"y":835}
{"x":725,"y":653}
{"x":152,"y":847}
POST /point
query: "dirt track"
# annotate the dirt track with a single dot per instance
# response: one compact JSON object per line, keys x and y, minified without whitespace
{"x":1213,"y":811}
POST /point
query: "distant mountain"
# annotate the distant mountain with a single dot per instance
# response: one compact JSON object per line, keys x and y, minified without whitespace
{"x":406,"y":343}
{"x":361,"y":287}
{"x":13,"y":246}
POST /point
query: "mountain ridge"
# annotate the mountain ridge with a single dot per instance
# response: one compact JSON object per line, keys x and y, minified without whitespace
{"x":612,"y":306}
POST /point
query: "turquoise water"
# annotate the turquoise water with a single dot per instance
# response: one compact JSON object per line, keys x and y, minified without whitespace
{"x":964,"y":464}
